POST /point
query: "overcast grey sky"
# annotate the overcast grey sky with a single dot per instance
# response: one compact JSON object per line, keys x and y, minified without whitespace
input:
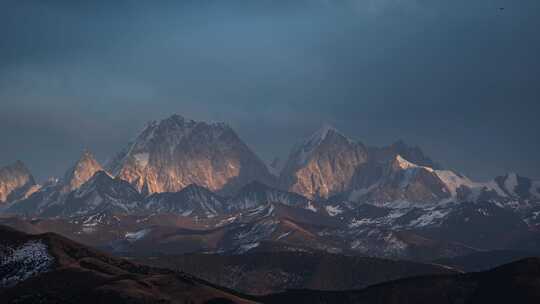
{"x":459,"y":78}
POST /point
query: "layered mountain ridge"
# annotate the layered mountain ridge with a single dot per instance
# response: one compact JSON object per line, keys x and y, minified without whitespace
{"x":196,"y":187}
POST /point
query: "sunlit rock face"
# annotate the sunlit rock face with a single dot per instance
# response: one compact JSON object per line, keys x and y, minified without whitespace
{"x":323,"y":165}
{"x":403,"y":181}
{"x":15,"y":181}
{"x":330,"y":165}
{"x":81,"y":172}
{"x":171,"y":154}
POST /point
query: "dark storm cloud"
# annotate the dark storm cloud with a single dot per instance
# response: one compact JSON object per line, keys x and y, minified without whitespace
{"x":459,"y":78}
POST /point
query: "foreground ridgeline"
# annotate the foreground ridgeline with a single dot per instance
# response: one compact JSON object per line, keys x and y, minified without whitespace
{"x":517,"y":282}
{"x":48,"y":268}
{"x":338,"y":217}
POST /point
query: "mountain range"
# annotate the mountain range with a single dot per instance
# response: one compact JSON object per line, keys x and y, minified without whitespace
{"x":186,"y":186}
{"x":337,"y":222}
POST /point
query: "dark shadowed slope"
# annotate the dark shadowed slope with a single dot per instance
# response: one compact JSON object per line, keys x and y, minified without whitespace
{"x":518,"y":282}
{"x":484,"y":260}
{"x":48,"y":268}
{"x":270,"y":272}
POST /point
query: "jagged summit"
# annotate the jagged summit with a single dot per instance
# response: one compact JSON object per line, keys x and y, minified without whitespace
{"x":323,"y":165}
{"x":323,"y":132}
{"x":319,"y":136}
{"x":15,"y":180}
{"x":412,"y":154}
{"x":18,"y":165}
{"x":326,"y":135}
{"x":82,"y":171}
{"x":175,"y":152}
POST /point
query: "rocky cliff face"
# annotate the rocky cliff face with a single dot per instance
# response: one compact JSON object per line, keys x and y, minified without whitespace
{"x":171,"y":154}
{"x":328,"y":165}
{"x":323,"y":165}
{"x":81,"y":172}
{"x":15,"y":181}
{"x":403,"y":181}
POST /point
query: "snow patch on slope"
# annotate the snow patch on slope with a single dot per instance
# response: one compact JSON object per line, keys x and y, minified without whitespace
{"x":405,"y":164}
{"x":454,"y":181}
{"x":429,"y":218}
{"x":334,"y":210}
{"x":24,"y":262}
{"x":136,"y":236}
{"x":311,"y":207}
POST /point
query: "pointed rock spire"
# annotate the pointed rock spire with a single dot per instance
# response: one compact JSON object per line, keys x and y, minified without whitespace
{"x":14,"y":179}
{"x":82,"y":171}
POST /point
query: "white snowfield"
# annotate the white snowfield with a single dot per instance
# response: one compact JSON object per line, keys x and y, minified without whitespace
{"x":136,"y":236}
{"x":21,"y":263}
{"x":333,"y":210}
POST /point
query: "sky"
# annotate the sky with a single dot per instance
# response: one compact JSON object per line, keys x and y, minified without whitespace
{"x":460,"y":79}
